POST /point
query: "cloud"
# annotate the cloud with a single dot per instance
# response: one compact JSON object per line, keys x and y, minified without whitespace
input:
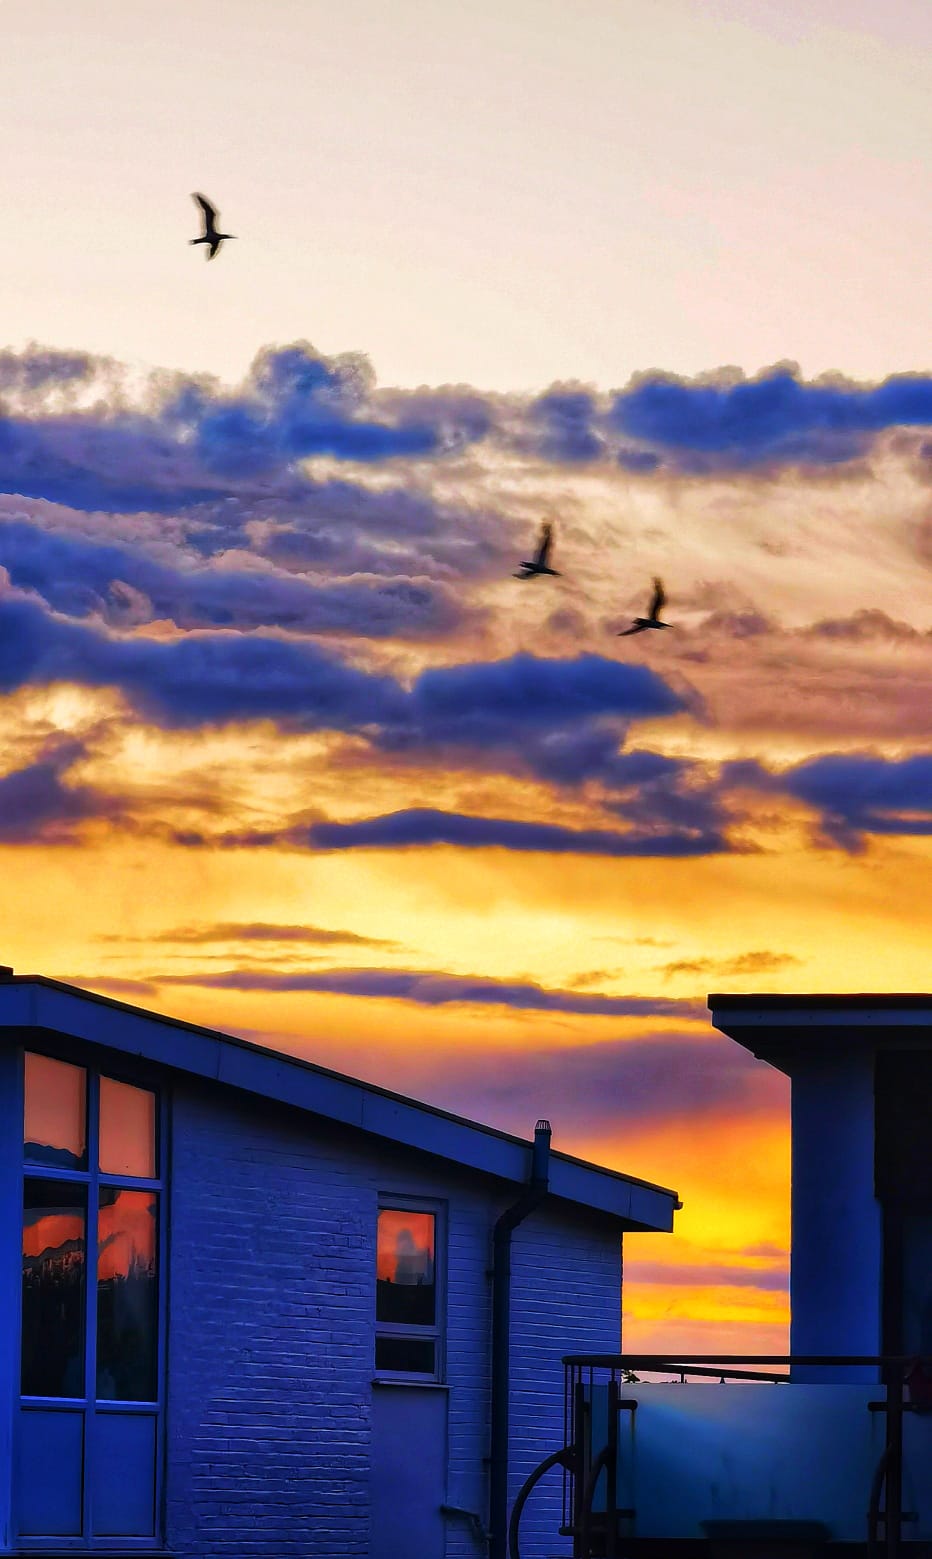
{"x":295,"y":404}
{"x":708,"y":1274}
{"x":595,"y":1091}
{"x":257,"y":931}
{"x":215,"y":677}
{"x":419,"y":827}
{"x":861,"y":627}
{"x":566,"y":417}
{"x":199,"y":680}
{"x":122,"y":584}
{"x":855,"y":793}
{"x":430,"y":988}
{"x":38,"y":368}
{"x":774,"y":418}
{"x":760,"y":962}
{"x":36,"y":803}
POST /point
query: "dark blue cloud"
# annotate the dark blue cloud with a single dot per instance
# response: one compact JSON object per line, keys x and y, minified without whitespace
{"x":419,"y":827}
{"x":856,"y":793}
{"x":777,"y":416}
{"x":432,"y":988}
{"x":207,"y":677}
{"x":567,"y":418}
{"x":484,"y":700}
{"x":189,"y":449}
{"x":203,"y":679}
{"x":79,"y":576}
{"x":866,"y":795}
{"x":36,"y":803}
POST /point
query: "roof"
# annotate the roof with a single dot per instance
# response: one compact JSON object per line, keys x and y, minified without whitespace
{"x":51,"y":1006}
{"x":781,"y":1029}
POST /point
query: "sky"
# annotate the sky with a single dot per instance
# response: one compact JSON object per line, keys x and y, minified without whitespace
{"x":284,"y":747}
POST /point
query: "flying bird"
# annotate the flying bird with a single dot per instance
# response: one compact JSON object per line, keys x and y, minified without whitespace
{"x":210,"y":236}
{"x":540,"y":564}
{"x":653,"y":621}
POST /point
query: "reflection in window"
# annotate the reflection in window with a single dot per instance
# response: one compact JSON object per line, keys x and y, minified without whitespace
{"x":413,"y":1355}
{"x":127,"y":1130}
{"x":127,"y":1296}
{"x":54,"y":1254}
{"x":405,"y":1288}
{"x":55,"y":1121}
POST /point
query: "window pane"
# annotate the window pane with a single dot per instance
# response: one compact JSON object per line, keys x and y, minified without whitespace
{"x":405,"y":1287}
{"x":127,"y":1296}
{"x":54,"y":1128}
{"x":127,"y":1129}
{"x":54,"y":1245}
{"x":413,"y":1354}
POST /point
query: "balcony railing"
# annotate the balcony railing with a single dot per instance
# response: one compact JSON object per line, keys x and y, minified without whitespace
{"x":799,"y":1455}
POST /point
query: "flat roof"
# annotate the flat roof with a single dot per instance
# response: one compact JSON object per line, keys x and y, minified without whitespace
{"x":51,"y":1006}
{"x":783,"y":1028}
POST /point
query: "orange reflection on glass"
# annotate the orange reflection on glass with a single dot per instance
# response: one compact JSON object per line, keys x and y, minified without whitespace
{"x":127,"y":1129}
{"x":125,"y":1233}
{"x":54,"y":1125}
{"x":127,"y":1296}
{"x":405,"y":1246}
{"x":54,"y":1236}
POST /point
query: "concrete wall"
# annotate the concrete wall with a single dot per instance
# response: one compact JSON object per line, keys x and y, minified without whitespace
{"x":836,"y":1260}
{"x":272,"y":1304}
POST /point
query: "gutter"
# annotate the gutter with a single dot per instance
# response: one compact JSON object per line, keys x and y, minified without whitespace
{"x":531,"y":1197}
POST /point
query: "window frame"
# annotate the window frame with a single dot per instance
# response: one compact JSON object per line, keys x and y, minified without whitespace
{"x":92,"y":1179}
{"x":412,"y":1331}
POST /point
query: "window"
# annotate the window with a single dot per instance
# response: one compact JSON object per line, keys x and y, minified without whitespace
{"x":408,"y":1333}
{"x":90,"y":1386}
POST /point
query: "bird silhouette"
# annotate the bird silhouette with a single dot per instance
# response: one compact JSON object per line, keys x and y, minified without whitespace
{"x":540,"y":564}
{"x":652,"y":621}
{"x":210,"y":235}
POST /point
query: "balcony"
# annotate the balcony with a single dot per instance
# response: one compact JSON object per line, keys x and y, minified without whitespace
{"x":745,"y":1456}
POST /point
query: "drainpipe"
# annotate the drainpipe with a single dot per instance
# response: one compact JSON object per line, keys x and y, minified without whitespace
{"x":530,"y":1198}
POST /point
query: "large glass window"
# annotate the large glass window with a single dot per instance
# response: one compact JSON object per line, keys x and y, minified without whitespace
{"x":90,"y":1376}
{"x":407,"y":1305}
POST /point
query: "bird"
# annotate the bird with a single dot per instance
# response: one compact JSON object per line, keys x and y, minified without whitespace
{"x":211,"y":235}
{"x":540,"y":565}
{"x":653,"y":621}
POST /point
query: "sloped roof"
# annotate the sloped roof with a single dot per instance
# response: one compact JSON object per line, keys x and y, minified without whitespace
{"x":50,"y":1006}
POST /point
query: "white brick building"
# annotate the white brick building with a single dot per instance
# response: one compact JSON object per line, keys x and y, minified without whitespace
{"x":286,"y":1346}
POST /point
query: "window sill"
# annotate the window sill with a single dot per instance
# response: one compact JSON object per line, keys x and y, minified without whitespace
{"x":410,"y":1381}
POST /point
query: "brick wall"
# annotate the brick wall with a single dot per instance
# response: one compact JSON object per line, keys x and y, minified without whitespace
{"x":272,"y":1304}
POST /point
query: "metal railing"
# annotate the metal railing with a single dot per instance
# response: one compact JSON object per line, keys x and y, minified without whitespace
{"x":601,"y":1414}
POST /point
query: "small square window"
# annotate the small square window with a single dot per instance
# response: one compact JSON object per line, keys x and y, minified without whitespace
{"x":409,"y":1355}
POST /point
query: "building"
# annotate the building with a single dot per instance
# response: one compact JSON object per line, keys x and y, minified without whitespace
{"x":861,"y":1241}
{"x":292,"y":1343}
{"x":827,"y":1450}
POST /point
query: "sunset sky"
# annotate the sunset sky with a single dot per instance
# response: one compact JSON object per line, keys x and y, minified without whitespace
{"x":284,"y":747}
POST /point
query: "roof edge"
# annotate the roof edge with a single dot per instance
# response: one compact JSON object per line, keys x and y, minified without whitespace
{"x":237,"y":1062}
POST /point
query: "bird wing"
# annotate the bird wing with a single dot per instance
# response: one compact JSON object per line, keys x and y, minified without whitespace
{"x":210,"y":212}
{"x":543,"y":549}
{"x":638,"y":628}
{"x":659,"y":598}
{"x":214,"y":246}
